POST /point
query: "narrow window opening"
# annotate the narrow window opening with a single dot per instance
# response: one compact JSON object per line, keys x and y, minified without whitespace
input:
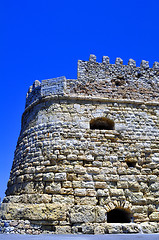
{"x":118,"y":83}
{"x":87,"y":163}
{"x":119,"y":215}
{"x":131,"y":164}
{"x":102,"y":123}
{"x":79,"y":229}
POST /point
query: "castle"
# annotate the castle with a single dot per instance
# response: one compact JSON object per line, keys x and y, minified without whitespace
{"x":87,"y":158}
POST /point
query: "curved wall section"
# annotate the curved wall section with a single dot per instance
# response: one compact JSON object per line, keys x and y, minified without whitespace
{"x":66,"y":177}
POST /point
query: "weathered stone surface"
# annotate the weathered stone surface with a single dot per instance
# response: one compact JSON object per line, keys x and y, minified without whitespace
{"x":149,"y":227}
{"x":86,"y":201}
{"x":53,"y":188}
{"x":80,"y":192}
{"x":37,"y":211}
{"x":80,"y":214}
{"x":137,"y":198}
{"x":154,"y":216}
{"x":48,"y":176}
{"x":64,"y":199}
{"x":116,"y":192}
{"x":63,"y":229}
{"x":100,"y":214}
{"x":60,"y":177}
{"x":67,"y":175}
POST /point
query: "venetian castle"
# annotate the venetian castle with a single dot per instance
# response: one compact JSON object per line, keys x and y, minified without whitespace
{"x":87,"y":158}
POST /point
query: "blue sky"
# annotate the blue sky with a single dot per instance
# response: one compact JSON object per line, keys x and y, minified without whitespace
{"x":44,"y":39}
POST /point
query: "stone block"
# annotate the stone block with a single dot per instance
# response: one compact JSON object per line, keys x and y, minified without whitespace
{"x":71,"y":157}
{"x":48,"y":177}
{"x":102,"y":193}
{"x":134,"y":186}
{"x":60,"y":177}
{"x":131,"y":228}
{"x":80,"y":192}
{"x":100,"y":214}
{"x":82,"y":214}
{"x":53,"y":86}
{"x":99,"y":229}
{"x":113,"y":228}
{"x":88,"y":229}
{"x":53,"y":188}
{"x":88,"y":185}
{"x":79,"y":169}
{"x":100,"y":185}
{"x":105,"y":60}
{"x":122,"y":184}
{"x":116,"y":192}
{"x":63,"y":230}
{"x":140,"y":217}
{"x":99,"y":178}
{"x":91,"y":192}
{"x":139,"y":209}
{"x":144,"y":64}
{"x":149,"y":227}
{"x":154,"y":216}
{"x":154,"y":187}
{"x":37,"y":211}
{"x":91,"y":201}
{"x":63,"y":199}
{"x":92,"y":58}
{"x":137,"y":198}
{"x":118,"y":61}
{"x":67,"y":191}
{"x":132,"y":63}
{"x":67,"y":184}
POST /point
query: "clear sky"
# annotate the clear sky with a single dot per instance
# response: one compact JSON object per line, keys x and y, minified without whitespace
{"x":44,"y":39}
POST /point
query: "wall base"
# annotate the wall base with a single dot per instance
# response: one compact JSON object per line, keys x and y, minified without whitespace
{"x":27,"y":227}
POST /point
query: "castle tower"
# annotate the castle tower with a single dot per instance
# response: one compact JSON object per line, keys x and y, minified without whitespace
{"x":87,"y":156}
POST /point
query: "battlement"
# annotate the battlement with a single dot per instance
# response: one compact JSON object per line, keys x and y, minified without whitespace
{"x":48,"y":87}
{"x":132,"y":63}
{"x":113,"y":81}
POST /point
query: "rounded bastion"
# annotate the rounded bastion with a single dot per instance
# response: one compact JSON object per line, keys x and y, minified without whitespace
{"x":87,"y":158}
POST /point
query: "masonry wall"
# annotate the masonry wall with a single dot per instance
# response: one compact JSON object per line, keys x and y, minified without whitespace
{"x":67,"y":177}
{"x":65,"y":167}
{"x":117,"y":81}
{"x":112,"y":81}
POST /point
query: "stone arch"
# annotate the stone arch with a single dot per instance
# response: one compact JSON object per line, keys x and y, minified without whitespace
{"x":119,"y":215}
{"x":102,"y":123}
{"x":118,"y":204}
{"x":118,"y":211}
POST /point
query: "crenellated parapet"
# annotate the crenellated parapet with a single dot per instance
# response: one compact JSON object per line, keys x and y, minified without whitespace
{"x":117,"y":81}
{"x":33,"y":93}
{"x":48,"y":87}
{"x":113,"y":81}
{"x":105,"y":60}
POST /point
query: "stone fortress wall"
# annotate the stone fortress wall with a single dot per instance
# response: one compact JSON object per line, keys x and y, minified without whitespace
{"x":113,"y":81}
{"x":68,"y":178}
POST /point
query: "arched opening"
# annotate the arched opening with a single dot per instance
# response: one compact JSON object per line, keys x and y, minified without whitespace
{"x":119,"y":215}
{"x":102,"y":123}
{"x":131,"y":164}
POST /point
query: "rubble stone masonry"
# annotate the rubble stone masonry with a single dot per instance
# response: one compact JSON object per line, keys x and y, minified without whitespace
{"x":67,"y":177}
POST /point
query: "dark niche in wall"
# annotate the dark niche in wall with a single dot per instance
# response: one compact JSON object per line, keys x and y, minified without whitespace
{"x":119,"y":215}
{"x":102,"y":123}
{"x":131,"y":163}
